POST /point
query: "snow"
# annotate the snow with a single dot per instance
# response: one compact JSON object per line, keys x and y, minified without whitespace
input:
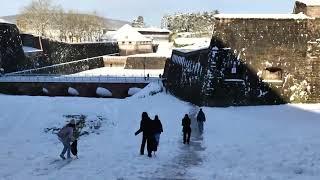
{"x":27,"y":49}
{"x":239,"y":143}
{"x":122,"y":72}
{"x":262,"y":16}
{"x":193,"y":42}
{"x":310,"y":2}
{"x":128,"y":33}
{"x":45,"y":90}
{"x":152,"y":29}
{"x":73,"y":91}
{"x":234,"y":80}
{"x":103,"y":92}
{"x":133,"y":91}
{"x":4,"y":21}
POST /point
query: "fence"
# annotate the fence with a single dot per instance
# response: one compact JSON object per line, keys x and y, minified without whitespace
{"x":75,"y":78}
{"x":59,"y":65}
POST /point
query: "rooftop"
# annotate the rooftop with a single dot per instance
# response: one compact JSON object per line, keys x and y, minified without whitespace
{"x":262,"y":16}
{"x":310,"y":2}
{"x":152,"y":29}
{"x":128,"y":33}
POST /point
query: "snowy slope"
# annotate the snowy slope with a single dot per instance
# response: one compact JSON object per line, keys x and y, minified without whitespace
{"x":243,"y":143}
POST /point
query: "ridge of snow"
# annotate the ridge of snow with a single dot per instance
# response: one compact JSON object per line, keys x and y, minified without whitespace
{"x":103,"y":92}
{"x":262,"y":16}
{"x":152,"y":29}
{"x":73,"y":91}
{"x":28,"y":49}
{"x":310,"y":2}
{"x":4,"y":21}
{"x":133,"y":91}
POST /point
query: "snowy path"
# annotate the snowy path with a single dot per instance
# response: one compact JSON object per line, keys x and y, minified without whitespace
{"x":239,"y":143}
{"x":187,"y":157}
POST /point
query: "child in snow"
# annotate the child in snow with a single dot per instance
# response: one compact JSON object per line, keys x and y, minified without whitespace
{"x":65,"y":135}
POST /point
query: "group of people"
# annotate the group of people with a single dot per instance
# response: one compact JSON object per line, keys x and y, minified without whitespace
{"x":186,"y":124}
{"x":151,"y":130}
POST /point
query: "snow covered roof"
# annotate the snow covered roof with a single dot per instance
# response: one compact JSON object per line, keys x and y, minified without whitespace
{"x":152,"y":29}
{"x":310,"y":2}
{"x":27,"y":49}
{"x":262,"y":16}
{"x":128,"y":33}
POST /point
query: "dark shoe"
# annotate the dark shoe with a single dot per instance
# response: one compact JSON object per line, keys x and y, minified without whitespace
{"x":184,"y":142}
{"x":141,"y":153}
{"x":62,"y":157}
{"x":149,"y":155}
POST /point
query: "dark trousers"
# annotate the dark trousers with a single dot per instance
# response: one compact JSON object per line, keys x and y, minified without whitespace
{"x":150,"y":145}
{"x":143,"y":144}
{"x":186,"y":136}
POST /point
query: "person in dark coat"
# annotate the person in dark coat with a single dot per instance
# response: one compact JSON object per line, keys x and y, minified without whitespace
{"x":146,"y":127}
{"x":186,"y":123}
{"x":158,"y":130}
{"x":201,"y":118}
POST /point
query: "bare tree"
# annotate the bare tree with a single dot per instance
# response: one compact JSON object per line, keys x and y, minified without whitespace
{"x":44,"y":18}
{"x":38,"y":16}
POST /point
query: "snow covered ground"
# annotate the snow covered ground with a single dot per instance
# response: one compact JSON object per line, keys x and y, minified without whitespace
{"x":121,"y":71}
{"x":239,"y":143}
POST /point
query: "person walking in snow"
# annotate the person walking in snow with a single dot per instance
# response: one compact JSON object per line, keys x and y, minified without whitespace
{"x":65,"y":135}
{"x":201,"y":118}
{"x":147,"y":129}
{"x":158,"y":130}
{"x":186,"y":124}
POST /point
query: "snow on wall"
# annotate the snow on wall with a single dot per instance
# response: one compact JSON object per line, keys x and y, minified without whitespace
{"x":133,"y":91}
{"x":73,"y":91}
{"x":190,"y":66}
{"x":262,"y":16}
{"x":103,"y":92}
{"x":45,"y":90}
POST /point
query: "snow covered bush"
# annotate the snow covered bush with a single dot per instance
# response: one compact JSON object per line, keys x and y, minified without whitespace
{"x":84,"y":125}
{"x":295,"y":91}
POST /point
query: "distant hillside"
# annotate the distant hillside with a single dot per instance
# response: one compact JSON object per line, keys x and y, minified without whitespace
{"x":111,"y":24}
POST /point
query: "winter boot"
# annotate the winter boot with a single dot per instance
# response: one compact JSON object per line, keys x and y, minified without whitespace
{"x":62,"y":157}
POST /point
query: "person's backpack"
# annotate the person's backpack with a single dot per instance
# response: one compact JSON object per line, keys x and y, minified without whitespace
{"x":63,"y":133}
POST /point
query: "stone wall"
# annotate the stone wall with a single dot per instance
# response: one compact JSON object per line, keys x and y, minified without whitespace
{"x":250,"y":62}
{"x":145,"y":62}
{"x":135,"y":48}
{"x":118,"y":90}
{"x":69,"y":68}
{"x":59,"y":52}
{"x":11,"y":54}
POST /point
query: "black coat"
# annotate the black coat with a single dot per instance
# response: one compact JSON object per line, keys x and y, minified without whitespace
{"x":146,"y":127}
{"x":186,"y":123}
{"x":158,"y":126}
